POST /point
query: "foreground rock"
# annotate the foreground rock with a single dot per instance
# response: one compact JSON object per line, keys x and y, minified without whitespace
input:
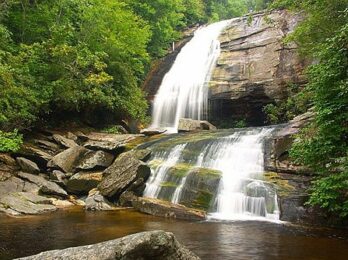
{"x":123,"y":173}
{"x":189,"y":125}
{"x":154,"y":245}
{"x":166,"y":209}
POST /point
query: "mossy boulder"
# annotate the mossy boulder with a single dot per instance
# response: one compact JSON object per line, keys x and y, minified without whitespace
{"x":200,"y":188}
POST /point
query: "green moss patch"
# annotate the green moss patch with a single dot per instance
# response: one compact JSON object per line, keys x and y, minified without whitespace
{"x":283,"y":186}
{"x":169,"y":184}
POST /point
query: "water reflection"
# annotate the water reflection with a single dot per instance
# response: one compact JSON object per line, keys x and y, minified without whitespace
{"x":210,"y":240}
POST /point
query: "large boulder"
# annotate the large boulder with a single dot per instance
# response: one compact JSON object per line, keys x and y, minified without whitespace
{"x":68,"y":159}
{"x":94,"y":160}
{"x":83,"y":182}
{"x":25,"y":203}
{"x":46,"y":187}
{"x":167,"y":209}
{"x":125,"y":170}
{"x":27,"y":165}
{"x":154,"y":245}
{"x":189,"y":125}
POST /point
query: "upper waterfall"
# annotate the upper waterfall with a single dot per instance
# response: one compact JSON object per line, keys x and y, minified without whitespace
{"x":184,"y":89}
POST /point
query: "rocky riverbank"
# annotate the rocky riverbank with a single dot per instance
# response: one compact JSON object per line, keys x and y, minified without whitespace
{"x":58,"y":169}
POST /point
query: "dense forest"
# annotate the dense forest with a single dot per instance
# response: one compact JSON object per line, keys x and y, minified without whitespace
{"x":88,"y":57}
{"x":84,"y":57}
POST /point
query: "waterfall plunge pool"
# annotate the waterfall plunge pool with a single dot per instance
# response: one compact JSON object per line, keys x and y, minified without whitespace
{"x":25,"y":236}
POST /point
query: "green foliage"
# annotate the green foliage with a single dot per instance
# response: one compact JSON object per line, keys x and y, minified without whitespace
{"x":323,"y":145}
{"x":10,"y":141}
{"x":298,"y":102}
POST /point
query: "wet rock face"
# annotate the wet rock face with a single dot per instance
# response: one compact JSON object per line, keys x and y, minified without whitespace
{"x":200,"y":189}
{"x":277,"y":148}
{"x":154,"y":245}
{"x":254,"y":67}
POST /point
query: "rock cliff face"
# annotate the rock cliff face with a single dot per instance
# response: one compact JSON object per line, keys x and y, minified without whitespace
{"x":254,"y":67}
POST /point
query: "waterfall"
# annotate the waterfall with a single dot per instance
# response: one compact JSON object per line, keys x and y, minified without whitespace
{"x":184,"y":89}
{"x":159,"y":174}
{"x":239,"y":156}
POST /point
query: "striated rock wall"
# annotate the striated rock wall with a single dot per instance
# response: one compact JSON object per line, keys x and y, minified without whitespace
{"x":255,"y":67}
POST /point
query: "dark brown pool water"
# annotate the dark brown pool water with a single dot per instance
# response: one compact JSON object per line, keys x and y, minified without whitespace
{"x":210,"y":240}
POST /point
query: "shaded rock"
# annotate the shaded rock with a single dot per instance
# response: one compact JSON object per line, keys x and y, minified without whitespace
{"x":81,"y":137}
{"x":83,"y":182}
{"x":125,"y":170}
{"x":25,"y":203}
{"x":95,"y":160}
{"x":137,"y":187}
{"x":47,"y":145}
{"x":7,"y":159}
{"x":277,"y":148}
{"x":200,"y":189}
{"x":126,"y":199}
{"x":46,"y":187}
{"x":167,"y":209}
{"x":152,"y":131}
{"x":68,"y":159}
{"x":63,"y":141}
{"x":154,"y":245}
{"x":97,"y":202}
{"x":8,"y":166}
{"x":108,"y":142}
{"x":27,"y":165}
{"x":205,"y":125}
{"x":188,"y":125}
{"x":58,"y":177}
{"x":36,"y":154}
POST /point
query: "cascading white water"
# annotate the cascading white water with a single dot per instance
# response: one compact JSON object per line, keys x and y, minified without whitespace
{"x":184,"y":89}
{"x":158,"y":175}
{"x":239,"y":156}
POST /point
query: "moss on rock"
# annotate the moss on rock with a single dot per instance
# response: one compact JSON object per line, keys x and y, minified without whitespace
{"x":283,"y":187}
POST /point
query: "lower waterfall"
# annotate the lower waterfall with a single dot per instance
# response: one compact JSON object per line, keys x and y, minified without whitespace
{"x":220,"y":171}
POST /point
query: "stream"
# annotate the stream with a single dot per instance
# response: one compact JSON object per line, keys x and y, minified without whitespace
{"x":210,"y":240}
